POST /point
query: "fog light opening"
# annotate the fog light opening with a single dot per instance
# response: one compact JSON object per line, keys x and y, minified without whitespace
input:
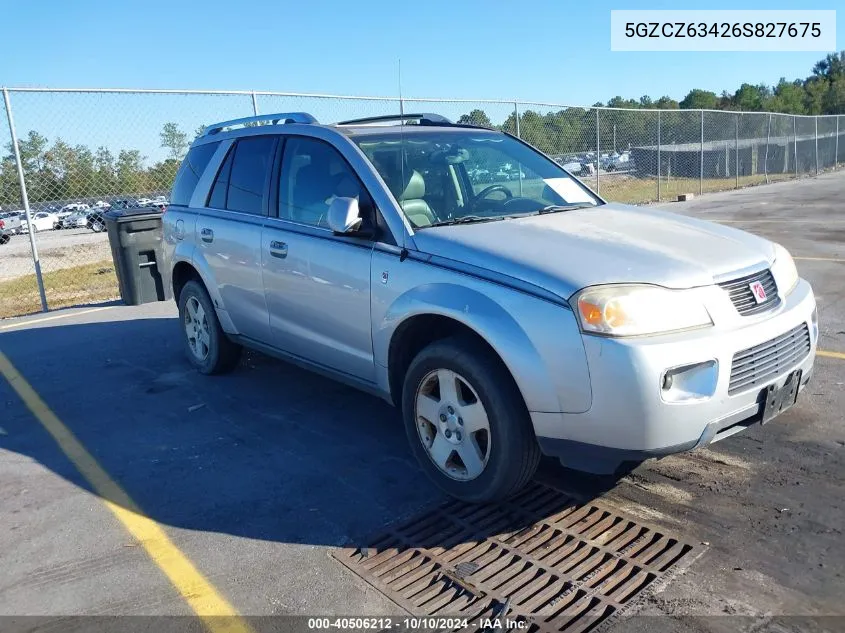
{"x":690,"y":383}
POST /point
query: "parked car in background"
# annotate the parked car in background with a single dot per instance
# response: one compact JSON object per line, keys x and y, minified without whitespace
{"x":160,"y":200}
{"x":66,"y":211}
{"x":124,"y":203}
{"x":10,"y":225}
{"x":144,"y":202}
{"x":587,"y":169}
{"x":41,"y":221}
{"x":96,"y":220}
{"x":75,"y":220}
{"x":619,"y":161}
{"x":503,"y":322}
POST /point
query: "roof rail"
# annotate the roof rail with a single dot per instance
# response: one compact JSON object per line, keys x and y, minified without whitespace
{"x":424,"y":119}
{"x":274,"y":119}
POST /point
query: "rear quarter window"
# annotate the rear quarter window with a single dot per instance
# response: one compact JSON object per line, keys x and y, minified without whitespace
{"x":190,"y":172}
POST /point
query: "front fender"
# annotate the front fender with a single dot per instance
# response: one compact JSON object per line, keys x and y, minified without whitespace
{"x":553,"y":379}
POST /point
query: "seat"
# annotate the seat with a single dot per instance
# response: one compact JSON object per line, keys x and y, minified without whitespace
{"x":412,"y":202}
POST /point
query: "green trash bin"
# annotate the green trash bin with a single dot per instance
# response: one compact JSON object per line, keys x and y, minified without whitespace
{"x":135,"y":238}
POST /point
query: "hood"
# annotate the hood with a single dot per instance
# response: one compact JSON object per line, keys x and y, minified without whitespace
{"x":569,"y":250}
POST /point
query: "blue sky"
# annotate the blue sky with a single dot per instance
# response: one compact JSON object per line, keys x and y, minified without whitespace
{"x":555,"y":51}
{"x":545,"y":50}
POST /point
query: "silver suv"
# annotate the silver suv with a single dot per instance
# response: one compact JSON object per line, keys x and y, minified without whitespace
{"x":505,"y":319}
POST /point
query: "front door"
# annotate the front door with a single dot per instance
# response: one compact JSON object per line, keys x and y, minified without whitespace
{"x":317,"y":284}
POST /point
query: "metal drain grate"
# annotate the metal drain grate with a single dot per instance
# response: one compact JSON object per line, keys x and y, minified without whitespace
{"x":562,"y":566}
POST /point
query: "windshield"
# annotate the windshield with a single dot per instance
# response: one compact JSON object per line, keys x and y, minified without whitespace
{"x":445,"y":177}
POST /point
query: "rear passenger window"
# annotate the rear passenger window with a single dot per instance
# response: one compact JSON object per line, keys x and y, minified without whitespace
{"x":249,"y":174}
{"x":189,"y":173}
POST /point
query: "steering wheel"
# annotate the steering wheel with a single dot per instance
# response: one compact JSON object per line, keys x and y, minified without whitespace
{"x":488,"y":190}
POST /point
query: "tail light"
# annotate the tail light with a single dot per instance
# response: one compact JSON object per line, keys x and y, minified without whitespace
{"x":2,"y":224}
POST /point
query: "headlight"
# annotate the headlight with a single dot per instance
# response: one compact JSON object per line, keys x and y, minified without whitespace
{"x":784,"y":271}
{"x":635,"y":310}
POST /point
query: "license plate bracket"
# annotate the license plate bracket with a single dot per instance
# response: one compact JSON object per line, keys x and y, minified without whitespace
{"x":779,"y":399}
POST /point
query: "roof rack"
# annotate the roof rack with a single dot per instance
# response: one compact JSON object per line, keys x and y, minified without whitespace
{"x":274,"y":119}
{"x":423,"y":119}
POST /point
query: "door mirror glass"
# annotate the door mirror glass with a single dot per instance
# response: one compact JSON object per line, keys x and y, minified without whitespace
{"x":344,"y":215}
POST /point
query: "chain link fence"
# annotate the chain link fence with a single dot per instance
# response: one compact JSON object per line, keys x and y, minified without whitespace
{"x":83,"y":151}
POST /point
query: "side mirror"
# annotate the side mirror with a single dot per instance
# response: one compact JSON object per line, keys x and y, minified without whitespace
{"x":344,"y":215}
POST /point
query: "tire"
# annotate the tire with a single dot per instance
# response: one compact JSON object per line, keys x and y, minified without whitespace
{"x":97,"y":227}
{"x":210,"y":351}
{"x":4,"y":239}
{"x":508,"y":448}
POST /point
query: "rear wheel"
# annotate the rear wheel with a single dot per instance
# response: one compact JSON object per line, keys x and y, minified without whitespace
{"x":97,"y":227}
{"x":466,"y":422}
{"x":4,"y":239}
{"x":206,"y":344}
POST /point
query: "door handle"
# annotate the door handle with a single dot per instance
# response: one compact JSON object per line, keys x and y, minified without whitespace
{"x":207,"y":235}
{"x":278,"y":249}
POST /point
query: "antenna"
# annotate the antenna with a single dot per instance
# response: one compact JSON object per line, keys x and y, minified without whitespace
{"x":404,"y":252}
{"x":401,"y":105}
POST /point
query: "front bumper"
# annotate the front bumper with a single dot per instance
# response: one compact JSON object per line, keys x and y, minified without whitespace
{"x":630,"y":417}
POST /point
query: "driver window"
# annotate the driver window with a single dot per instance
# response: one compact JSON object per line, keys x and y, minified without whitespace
{"x":313,"y":174}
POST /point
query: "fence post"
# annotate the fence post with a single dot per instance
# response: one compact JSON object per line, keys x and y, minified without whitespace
{"x":795,"y":143}
{"x":701,"y":162}
{"x":658,"y":155}
{"x":25,"y":200}
{"x":768,"y":138}
{"x":836,"y":145}
{"x":516,"y":119}
{"x":816,"y":119}
{"x":598,"y":153}
{"x":254,"y":104}
{"x":736,"y":151}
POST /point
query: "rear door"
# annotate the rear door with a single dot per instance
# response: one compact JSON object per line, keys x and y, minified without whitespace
{"x":229,"y":232}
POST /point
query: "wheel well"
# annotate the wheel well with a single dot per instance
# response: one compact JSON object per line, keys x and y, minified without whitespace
{"x":183,"y":272}
{"x":416,"y":333}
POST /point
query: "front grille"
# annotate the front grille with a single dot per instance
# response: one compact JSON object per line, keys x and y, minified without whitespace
{"x":743,"y":299}
{"x":759,"y":364}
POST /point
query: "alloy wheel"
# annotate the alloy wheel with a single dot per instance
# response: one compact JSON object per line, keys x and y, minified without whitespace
{"x":452,"y":424}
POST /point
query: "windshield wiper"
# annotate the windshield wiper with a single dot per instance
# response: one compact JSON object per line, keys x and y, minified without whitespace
{"x":554,"y":208}
{"x":466,"y":219}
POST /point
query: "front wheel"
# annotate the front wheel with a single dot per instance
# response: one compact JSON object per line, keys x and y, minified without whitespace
{"x":467,"y":423}
{"x":206,"y":344}
{"x":97,"y":227}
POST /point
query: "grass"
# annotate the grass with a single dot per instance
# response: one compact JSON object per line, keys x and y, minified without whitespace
{"x":639,"y":190}
{"x":89,"y":283}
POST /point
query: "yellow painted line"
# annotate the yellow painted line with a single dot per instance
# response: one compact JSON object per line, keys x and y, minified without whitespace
{"x":839,"y":355}
{"x":63,"y":315}
{"x":215,"y":611}
{"x":821,"y":259}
